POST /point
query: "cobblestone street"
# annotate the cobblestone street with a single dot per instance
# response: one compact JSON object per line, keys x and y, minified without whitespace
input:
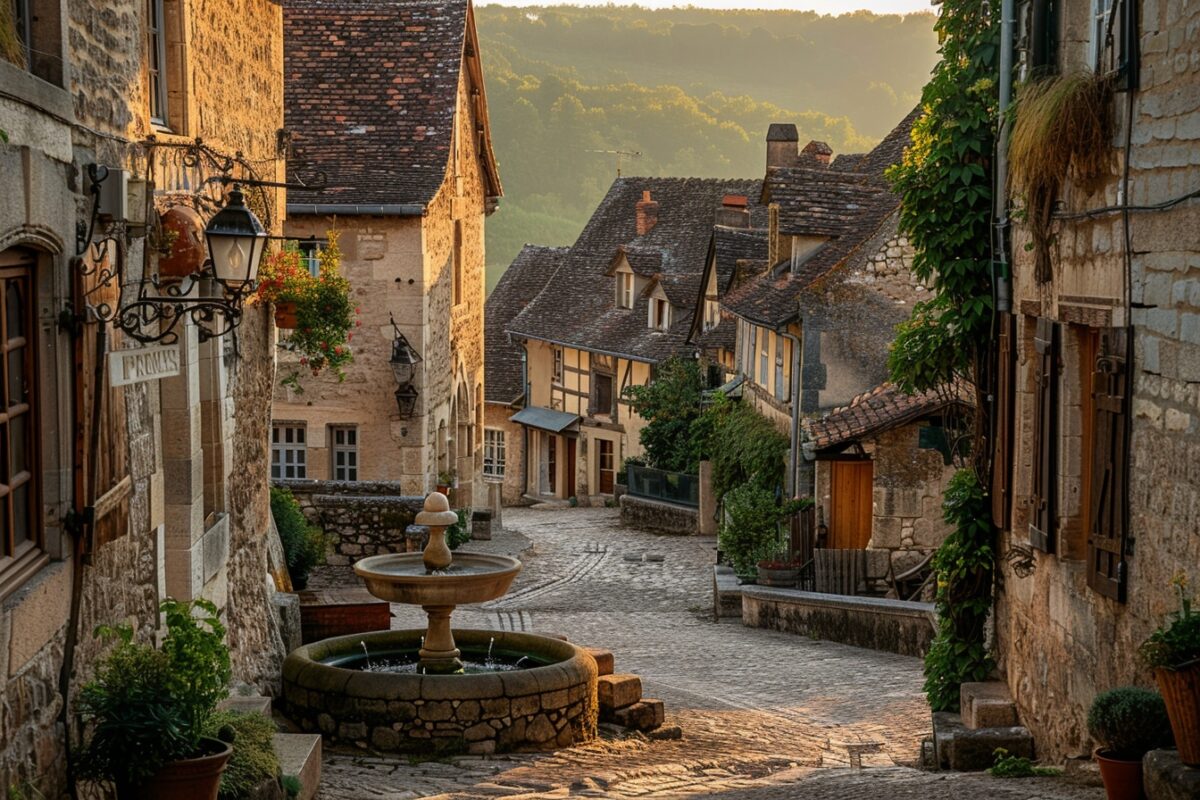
{"x":764,"y":715}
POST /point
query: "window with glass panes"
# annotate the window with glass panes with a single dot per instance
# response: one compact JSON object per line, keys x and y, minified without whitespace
{"x":157,"y":62}
{"x":345,"y":452}
{"x":493,"y":453}
{"x":289,"y":453}
{"x":310,"y":254}
{"x":20,"y":528}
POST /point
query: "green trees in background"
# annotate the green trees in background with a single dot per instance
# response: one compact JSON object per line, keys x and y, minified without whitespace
{"x":693,"y":90}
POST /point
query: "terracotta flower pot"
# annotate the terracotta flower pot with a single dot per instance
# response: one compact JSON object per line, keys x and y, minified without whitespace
{"x":285,"y":315}
{"x":189,"y":779}
{"x":787,"y":577}
{"x":1181,"y":692}
{"x":1122,"y":779}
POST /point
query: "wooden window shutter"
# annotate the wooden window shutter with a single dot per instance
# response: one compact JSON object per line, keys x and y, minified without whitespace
{"x":1002,"y":450}
{"x":1107,"y":538}
{"x":1045,"y":437}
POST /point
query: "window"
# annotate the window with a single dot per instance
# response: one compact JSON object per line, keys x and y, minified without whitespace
{"x":605,"y":466}
{"x":23,"y":22}
{"x":493,"y":453}
{"x":289,"y":456}
{"x":156,"y":47}
{"x":625,"y":289}
{"x":1045,"y":437}
{"x":1101,"y":27}
{"x":345,"y":452}
{"x":764,"y":358}
{"x":310,"y":254}
{"x":1002,"y":472}
{"x":20,"y":523}
{"x":783,"y":369}
{"x":660,"y":314}
{"x":602,"y":396}
{"x":712,"y":313}
{"x":458,"y":262}
{"x":558,"y":365}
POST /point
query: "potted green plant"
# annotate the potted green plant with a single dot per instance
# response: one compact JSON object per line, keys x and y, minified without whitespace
{"x":318,"y":309}
{"x":751,"y":530}
{"x":147,"y":710}
{"x":1126,"y":722}
{"x":1173,"y":652}
{"x":778,"y":572}
{"x":304,"y":546}
{"x":447,"y":480}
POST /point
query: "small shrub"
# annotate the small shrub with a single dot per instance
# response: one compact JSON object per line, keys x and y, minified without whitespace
{"x":254,"y":760}
{"x":1129,"y":722}
{"x":459,"y":533}
{"x":304,"y":546}
{"x":752,"y":532}
{"x":292,"y":786}
{"x":1010,"y":766}
{"x":1176,"y":644}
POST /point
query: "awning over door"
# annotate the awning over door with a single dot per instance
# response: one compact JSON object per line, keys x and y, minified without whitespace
{"x":546,"y":419}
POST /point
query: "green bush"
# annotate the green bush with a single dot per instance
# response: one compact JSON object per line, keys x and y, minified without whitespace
{"x":1129,"y":722}
{"x":963,"y":565}
{"x":752,"y":531}
{"x":304,"y":545}
{"x":670,"y":403}
{"x":1010,"y":766}
{"x":1177,"y":643}
{"x":254,"y":759}
{"x":459,"y":533}
{"x":622,"y":476}
{"x":743,"y":446}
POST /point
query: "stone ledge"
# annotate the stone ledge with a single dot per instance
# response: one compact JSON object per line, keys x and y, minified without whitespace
{"x":727,"y":593}
{"x":657,"y":516}
{"x":1165,"y":777}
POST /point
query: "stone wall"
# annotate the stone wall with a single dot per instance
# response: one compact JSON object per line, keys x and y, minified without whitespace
{"x":512,"y":491}
{"x":1059,"y":643}
{"x":361,"y":519}
{"x":658,"y":517}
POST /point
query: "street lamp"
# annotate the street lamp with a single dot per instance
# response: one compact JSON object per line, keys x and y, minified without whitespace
{"x":236,"y":240}
{"x":403,"y":363}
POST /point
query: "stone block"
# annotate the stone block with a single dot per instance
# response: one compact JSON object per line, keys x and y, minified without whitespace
{"x":604,"y":660}
{"x":987,"y":704}
{"x":618,"y":691}
{"x":887,"y":533}
{"x":38,"y":612}
{"x":247,"y":704}
{"x":645,"y":715}
{"x":1165,"y":777}
{"x":894,"y":502}
{"x":300,"y":755}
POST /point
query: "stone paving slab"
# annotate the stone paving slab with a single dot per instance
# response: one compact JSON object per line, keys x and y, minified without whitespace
{"x":764,"y":715}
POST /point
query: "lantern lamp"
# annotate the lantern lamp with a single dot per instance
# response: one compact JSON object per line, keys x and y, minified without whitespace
{"x":236,"y":240}
{"x":406,"y":400}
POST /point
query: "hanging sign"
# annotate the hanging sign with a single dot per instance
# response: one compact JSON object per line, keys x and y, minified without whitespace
{"x":142,"y":364}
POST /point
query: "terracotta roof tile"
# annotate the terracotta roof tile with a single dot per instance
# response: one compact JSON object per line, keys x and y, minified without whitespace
{"x":878,"y":410}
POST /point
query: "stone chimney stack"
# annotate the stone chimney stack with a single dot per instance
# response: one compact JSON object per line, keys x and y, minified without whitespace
{"x":734,"y":212}
{"x":647,"y":214}
{"x":819,"y":151}
{"x":783,"y":145}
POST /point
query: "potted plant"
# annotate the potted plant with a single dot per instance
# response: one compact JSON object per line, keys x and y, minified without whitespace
{"x":304,"y":546}
{"x":318,"y":309}
{"x":147,"y":710}
{"x":1126,"y":722}
{"x":751,"y":529}
{"x":778,"y":572}
{"x":447,"y":480}
{"x":1173,"y":652}
{"x":459,"y":533}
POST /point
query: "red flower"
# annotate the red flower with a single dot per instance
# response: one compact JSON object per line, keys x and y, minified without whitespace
{"x":349,"y":336}
{"x":304,"y":361}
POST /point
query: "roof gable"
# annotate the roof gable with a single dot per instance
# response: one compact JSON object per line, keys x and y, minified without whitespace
{"x":521,"y":282}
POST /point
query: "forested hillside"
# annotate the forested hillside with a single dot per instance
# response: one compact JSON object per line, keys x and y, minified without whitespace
{"x":692,"y":90}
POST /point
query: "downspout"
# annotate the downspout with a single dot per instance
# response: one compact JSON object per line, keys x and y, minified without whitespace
{"x":1003,"y":275}
{"x":525,"y":430}
{"x":794,"y":453}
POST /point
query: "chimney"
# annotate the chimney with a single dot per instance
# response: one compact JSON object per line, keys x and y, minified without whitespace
{"x":734,"y":212}
{"x":819,"y":151}
{"x":773,"y":244}
{"x":783,"y":145}
{"x":647,"y":214}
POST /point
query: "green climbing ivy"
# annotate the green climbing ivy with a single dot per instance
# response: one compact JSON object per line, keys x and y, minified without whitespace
{"x":945,"y":182}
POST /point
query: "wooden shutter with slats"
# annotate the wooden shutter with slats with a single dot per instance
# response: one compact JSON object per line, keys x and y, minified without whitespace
{"x":1045,"y":437}
{"x":1002,"y":451}
{"x":1110,"y":465}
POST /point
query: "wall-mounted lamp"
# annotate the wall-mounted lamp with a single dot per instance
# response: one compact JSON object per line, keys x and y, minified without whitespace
{"x":403,"y":363}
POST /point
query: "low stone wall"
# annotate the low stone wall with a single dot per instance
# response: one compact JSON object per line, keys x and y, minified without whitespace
{"x":531,"y":709}
{"x":361,"y":518}
{"x":895,"y":626}
{"x":658,"y":517}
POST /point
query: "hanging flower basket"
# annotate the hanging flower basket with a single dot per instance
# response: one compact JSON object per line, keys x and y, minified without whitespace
{"x":285,"y":315}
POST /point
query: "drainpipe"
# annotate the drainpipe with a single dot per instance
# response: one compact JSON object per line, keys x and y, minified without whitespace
{"x":1003,"y":278}
{"x":525,"y":430}
{"x":794,"y":455}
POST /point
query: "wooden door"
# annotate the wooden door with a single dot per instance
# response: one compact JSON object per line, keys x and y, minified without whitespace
{"x":569,"y":467}
{"x":552,"y":463}
{"x":604,"y":466}
{"x":850,"y":504}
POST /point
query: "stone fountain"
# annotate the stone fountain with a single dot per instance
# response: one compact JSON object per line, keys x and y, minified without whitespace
{"x":410,"y":690}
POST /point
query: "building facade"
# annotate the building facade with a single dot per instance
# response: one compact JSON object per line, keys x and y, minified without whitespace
{"x":119,"y":492}
{"x":410,"y":182}
{"x":1100,"y":361}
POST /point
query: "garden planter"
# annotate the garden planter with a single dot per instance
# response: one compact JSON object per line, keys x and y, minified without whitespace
{"x":1181,"y":692}
{"x":190,"y":779}
{"x":1122,"y":779}
{"x":285,"y":315}
{"x":778,"y":576}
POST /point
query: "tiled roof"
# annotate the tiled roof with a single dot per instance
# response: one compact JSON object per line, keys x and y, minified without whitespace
{"x":878,"y":410}
{"x":724,"y":335}
{"x":734,"y":246}
{"x":817,"y":201}
{"x":525,"y":277}
{"x":578,"y":308}
{"x":370,"y":92}
{"x":770,"y":299}
{"x":644,"y":262}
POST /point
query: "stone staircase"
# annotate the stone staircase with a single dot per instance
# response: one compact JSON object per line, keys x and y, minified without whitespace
{"x":621,"y":701}
{"x":299,"y":753}
{"x":968,"y":741}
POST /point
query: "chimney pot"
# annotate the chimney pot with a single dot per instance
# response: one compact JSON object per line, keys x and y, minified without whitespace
{"x":646,"y":213}
{"x":734,"y":212}
{"x":783,"y":145}
{"x":819,"y":151}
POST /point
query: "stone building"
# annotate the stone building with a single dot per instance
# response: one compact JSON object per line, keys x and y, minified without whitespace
{"x":621,"y":301}
{"x":505,"y":384}
{"x":387,"y":103}
{"x":120,"y":492}
{"x":1099,"y":444}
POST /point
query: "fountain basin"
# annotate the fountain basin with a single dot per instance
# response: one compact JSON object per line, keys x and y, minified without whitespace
{"x":471,"y":578}
{"x":540,"y":708}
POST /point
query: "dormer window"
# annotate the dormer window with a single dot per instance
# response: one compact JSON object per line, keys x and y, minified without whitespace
{"x":625,"y":289}
{"x":660,"y":314}
{"x":712,"y":313}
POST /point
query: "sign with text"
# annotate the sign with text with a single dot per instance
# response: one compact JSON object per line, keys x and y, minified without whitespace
{"x":143,"y":364}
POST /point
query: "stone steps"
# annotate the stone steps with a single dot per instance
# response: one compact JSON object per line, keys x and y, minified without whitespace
{"x":987,"y":704}
{"x":621,"y":702}
{"x":300,"y":755}
{"x":957,"y":747}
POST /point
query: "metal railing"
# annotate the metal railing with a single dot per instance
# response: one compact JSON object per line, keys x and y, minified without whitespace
{"x":669,"y":487}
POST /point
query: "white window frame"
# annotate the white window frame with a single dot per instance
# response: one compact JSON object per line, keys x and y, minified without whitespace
{"x":764,"y":363}
{"x":310,"y":254}
{"x":289,"y":450}
{"x":660,"y":314}
{"x":494,"y":451}
{"x":625,"y":289}
{"x":712,"y":313}
{"x":343,"y":443}
{"x":1101,"y":12}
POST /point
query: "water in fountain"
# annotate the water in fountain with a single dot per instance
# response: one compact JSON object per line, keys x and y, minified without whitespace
{"x":366,"y":656}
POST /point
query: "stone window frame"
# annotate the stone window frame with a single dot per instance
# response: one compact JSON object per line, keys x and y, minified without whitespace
{"x":495,"y":445}
{"x":343,"y":442}
{"x":282,"y":448}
